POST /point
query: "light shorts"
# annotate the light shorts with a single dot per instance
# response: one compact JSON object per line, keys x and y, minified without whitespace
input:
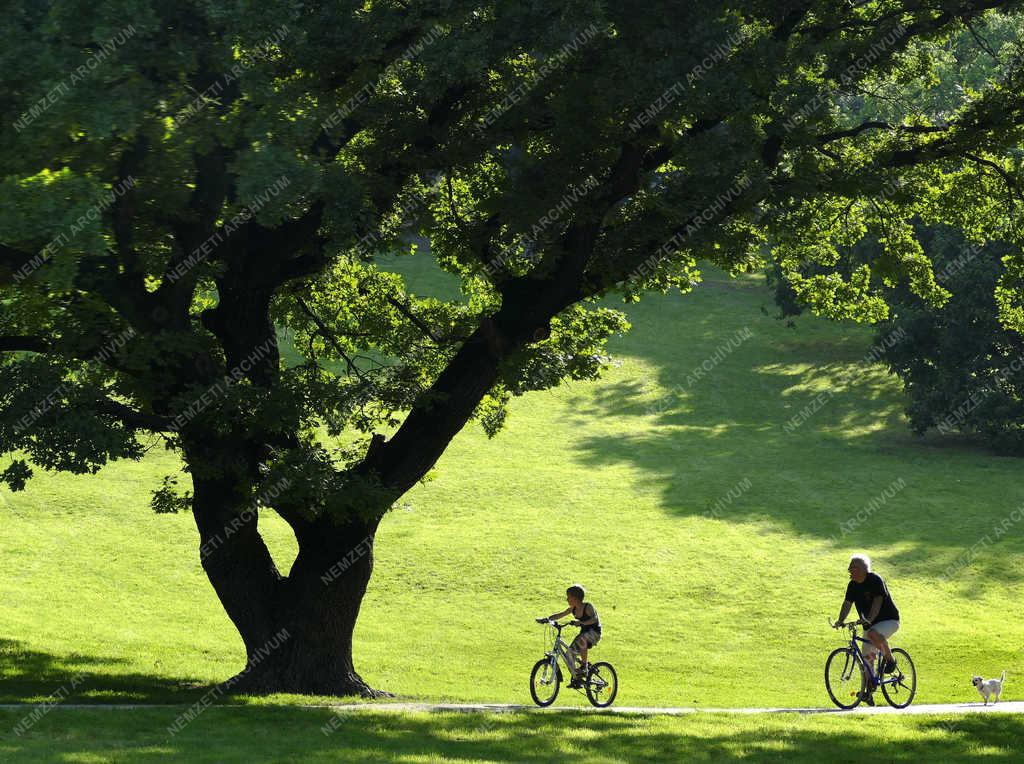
{"x":886,"y":629}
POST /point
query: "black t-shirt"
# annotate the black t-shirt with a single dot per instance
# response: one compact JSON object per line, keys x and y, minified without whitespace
{"x":863,"y":594}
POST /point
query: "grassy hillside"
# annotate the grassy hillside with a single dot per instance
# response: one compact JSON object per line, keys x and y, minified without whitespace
{"x":709,"y":537}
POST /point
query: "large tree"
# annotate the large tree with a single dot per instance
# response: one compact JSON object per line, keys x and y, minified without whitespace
{"x":181,"y":180}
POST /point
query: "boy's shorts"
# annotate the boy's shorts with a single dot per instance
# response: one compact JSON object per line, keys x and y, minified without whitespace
{"x":591,"y":636}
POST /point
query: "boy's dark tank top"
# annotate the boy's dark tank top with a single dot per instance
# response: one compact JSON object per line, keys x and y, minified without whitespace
{"x":597,"y":626}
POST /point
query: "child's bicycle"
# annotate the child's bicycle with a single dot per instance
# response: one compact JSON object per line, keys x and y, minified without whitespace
{"x":848,"y":675}
{"x":601,"y":684}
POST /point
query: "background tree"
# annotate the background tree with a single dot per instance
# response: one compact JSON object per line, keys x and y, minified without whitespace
{"x":956,"y":360}
{"x":961,"y":368}
{"x":258,"y":158}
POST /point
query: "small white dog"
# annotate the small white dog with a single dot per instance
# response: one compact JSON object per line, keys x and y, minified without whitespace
{"x":989,"y":687}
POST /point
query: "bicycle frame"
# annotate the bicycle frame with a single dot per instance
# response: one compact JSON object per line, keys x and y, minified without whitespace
{"x":858,"y":657}
{"x":561,"y":650}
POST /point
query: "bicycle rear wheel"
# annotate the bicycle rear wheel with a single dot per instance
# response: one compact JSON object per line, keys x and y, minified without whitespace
{"x":544,"y":682}
{"x":602,"y":685}
{"x":899,"y":693}
{"x":843,"y":679}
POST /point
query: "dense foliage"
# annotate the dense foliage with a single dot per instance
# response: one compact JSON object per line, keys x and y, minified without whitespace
{"x":956,"y":359}
{"x":961,"y":368}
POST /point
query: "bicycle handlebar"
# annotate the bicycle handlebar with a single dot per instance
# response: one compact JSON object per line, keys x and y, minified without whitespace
{"x":556,"y":624}
{"x":847,"y":625}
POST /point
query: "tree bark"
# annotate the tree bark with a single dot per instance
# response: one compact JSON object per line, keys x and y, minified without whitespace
{"x":310,"y":649}
{"x":297,"y":630}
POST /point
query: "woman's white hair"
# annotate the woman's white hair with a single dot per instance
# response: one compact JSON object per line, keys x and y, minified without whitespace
{"x":863,"y":559}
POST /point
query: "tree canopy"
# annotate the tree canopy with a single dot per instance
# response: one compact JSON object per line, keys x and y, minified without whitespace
{"x":957,"y":358}
{"x":961,"y":368}
{"x":181,"y":180}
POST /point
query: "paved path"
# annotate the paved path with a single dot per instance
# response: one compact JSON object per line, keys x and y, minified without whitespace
{"x":1008,"y":707}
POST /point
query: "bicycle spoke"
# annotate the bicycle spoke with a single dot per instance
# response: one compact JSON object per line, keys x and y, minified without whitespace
{"x":902,"y":686}
{"x":601,"y":685}
{"x":544,"y":682}
{"x":843,"y":678}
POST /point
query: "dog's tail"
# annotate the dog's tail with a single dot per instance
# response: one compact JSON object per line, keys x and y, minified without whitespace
{"x":1002,"y":677}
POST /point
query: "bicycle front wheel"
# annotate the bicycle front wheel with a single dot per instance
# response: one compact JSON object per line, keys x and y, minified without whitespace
{"x":602,"y":685}
{"x":544,"y":682}
{"x":843,"y":679}
{"x":900,"y":692}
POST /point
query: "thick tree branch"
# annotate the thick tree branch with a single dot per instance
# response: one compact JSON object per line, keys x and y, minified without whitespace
{"x":213,"y":186}
{"x":24,"y":343}
{"x":14,"y":259}
{"x":528,"y":305}
{"x":442,"y":410}
{"x":132,"y":419}
{"x":129,"y":281}
{"x":300,"y":234}
{"x":789,"y":18}
{"x":880,"y":125}
{"x":124,"y":208}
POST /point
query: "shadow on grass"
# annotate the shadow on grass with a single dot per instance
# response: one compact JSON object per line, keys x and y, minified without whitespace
{"x":816,"y":432}
{"x":31,"y":676}
{"x":277,"y":734}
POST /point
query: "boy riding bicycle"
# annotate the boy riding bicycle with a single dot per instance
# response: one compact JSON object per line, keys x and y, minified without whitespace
{"x":585,"y":616}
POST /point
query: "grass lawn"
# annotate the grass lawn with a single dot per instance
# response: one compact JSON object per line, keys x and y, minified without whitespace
{"x":710,"y":538}
{"x":296,"y":735}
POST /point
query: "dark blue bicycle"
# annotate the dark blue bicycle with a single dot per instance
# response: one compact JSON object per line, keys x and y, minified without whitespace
{"x":849,"y":676}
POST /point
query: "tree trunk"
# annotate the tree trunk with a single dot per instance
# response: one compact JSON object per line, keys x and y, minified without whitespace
{"x":308,"y":645}
{"x":297,"y":630}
